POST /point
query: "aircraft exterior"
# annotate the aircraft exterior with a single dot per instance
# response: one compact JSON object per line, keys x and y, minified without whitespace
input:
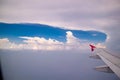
{"x":112,"y":62}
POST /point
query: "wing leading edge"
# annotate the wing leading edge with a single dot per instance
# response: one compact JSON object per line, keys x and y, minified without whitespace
{"x":112,"y":62}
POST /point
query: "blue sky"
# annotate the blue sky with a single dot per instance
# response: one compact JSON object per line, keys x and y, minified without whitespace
{"x":14,"y":31}
{"x":39,"y":36}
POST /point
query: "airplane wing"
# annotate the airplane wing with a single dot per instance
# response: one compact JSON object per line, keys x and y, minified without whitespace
{"x":112,"y":62}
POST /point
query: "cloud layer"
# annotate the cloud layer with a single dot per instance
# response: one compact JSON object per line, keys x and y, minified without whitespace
{"x":101,"y":15}
{"x":37,"y":43}
{"x":82,"y":14}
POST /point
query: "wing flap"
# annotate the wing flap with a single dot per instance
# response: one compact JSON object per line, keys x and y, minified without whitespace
{"x":104,"y":68}
{"x":95,"y":56}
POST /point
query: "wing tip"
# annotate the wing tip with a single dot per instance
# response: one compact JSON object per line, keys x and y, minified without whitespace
{"x":92,"y":47}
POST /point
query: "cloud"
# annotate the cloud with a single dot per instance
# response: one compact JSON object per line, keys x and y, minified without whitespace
{"x":70,"y":38}
{"x":82,"y":14}
{"x":113,"y":40}
{"x":100,"y":15}
{"x":42,"y":43}
{"x":37,"y":43}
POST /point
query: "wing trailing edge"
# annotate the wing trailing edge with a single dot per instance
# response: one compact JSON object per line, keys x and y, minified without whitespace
{"x":95,"y":56}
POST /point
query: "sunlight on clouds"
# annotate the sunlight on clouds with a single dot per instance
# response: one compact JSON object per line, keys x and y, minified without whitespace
{"x":33,"y":40}
{"x":100,"y":45}
{"x":42,"y":43}
{"x":37,"y":43}
{"x":70,"y":38}
{"x":31,"y":43}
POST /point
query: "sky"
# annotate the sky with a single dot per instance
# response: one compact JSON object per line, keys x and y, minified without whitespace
{"x":44,"y":37}
{"x":59,"y":25}
{"x":102,"y":16}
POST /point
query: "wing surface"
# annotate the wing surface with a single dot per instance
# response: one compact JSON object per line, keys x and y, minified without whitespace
{"x":112,"y":62}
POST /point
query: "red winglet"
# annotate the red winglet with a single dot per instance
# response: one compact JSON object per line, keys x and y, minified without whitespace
{"x":92,"y":47}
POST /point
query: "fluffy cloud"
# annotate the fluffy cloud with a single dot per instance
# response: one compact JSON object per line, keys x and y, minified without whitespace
{"x":34,"y":43}
{"x":37,"y":43}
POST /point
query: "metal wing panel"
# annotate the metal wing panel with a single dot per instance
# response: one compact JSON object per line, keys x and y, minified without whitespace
{"x":112,"y":61}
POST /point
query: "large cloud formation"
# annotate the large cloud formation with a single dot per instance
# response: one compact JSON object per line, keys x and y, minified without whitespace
{"x":101,"y":15}
{"x":37,"y":43}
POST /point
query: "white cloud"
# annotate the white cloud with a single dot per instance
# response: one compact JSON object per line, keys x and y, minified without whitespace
{"x":71,"y":39}
{"x":37,"y":43}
